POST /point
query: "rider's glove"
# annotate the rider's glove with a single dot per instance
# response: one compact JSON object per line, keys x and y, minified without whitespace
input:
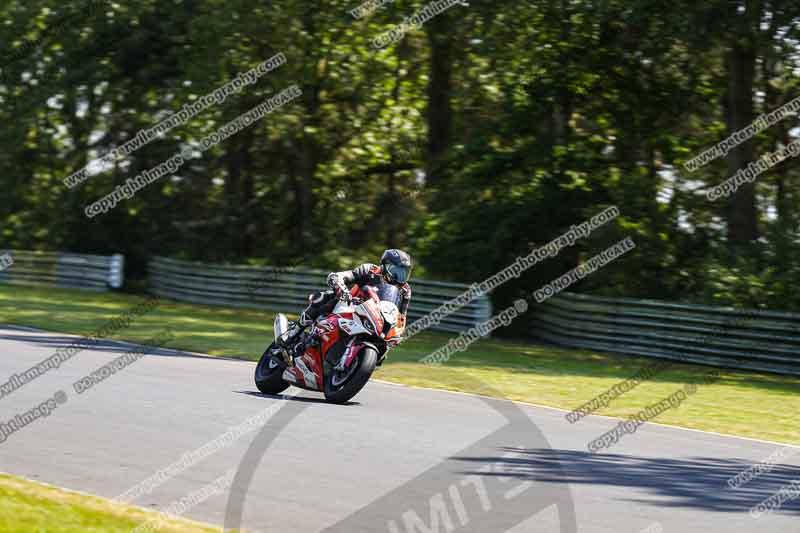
{"x":337,"y":285}
{"x":343,"y":294}
{"x":333,"y":281}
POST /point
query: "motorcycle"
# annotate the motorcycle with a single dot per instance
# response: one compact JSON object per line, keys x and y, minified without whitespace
{"x":353,"y":339}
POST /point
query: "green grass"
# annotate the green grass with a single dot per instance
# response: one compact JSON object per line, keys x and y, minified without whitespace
{"x":28,"y":507}
{"x":741,"y":403}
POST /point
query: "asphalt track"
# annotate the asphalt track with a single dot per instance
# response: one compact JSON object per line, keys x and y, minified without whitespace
{"x":398,"y":459}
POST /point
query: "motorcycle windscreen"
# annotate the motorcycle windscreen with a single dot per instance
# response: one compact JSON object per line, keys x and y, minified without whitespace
{"x":388,"y":292}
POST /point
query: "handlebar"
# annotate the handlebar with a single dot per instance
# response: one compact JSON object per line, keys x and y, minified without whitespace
{"x":344,"y":294}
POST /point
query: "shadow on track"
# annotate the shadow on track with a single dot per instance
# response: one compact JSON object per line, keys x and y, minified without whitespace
{"x":699,"y":482}
{"x":305,"y":399}
{"x":54,"y":342}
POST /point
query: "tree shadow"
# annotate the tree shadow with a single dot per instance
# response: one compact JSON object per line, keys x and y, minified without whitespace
{"x":697,"y":482}
{"x":54,"y":342}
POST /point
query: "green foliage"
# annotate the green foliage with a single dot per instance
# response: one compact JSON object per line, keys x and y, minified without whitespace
{"x":484,"y":134}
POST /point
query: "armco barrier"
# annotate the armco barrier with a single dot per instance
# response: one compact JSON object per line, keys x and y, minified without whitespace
{"x":718,"y":336}
{"x":81,"y":271}
{"x":287,"y":289}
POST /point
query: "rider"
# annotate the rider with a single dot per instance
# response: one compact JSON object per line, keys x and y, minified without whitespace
{"x":395,"y":268}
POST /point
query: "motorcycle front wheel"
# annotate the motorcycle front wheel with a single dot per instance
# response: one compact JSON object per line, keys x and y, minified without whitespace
{"x":269,"y":374}
{"x":340,"y":387}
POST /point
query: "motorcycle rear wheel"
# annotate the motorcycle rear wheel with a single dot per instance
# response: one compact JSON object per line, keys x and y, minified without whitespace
{"x":269,"y":374}
{"x":343,"y":392}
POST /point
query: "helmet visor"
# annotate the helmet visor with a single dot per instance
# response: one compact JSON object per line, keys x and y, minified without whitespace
{"x":398,"y":273}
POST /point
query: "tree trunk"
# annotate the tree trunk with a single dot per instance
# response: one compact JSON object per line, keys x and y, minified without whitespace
{"x":742,"y":215}
{"x":439,"y":113}
{"x":237,"y":164}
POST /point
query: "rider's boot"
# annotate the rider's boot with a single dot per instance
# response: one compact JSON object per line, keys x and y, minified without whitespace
{"x":306,"y":341}
{"x":296,"y":328}
{"x":297,"y":340}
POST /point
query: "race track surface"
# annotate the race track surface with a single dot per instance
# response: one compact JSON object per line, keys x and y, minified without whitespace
{"x":399,"y":459}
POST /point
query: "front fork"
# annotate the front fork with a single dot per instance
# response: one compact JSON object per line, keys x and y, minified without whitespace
{"x":348,"y":356}
{"x":281,"y":357}
{"x":281,"y":353}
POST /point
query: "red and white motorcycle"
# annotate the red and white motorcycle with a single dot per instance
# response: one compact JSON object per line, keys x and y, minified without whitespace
{"x":354,"y":338}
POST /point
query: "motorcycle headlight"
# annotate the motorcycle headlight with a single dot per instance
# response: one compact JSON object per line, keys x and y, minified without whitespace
{"x":389,"y":312}
{"x":367,"y":323}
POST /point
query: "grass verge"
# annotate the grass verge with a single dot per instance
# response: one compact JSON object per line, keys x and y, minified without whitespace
{"x":29,"y":507}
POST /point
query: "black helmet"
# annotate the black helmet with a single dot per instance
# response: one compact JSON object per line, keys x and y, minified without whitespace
{"x":396,"y":265}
